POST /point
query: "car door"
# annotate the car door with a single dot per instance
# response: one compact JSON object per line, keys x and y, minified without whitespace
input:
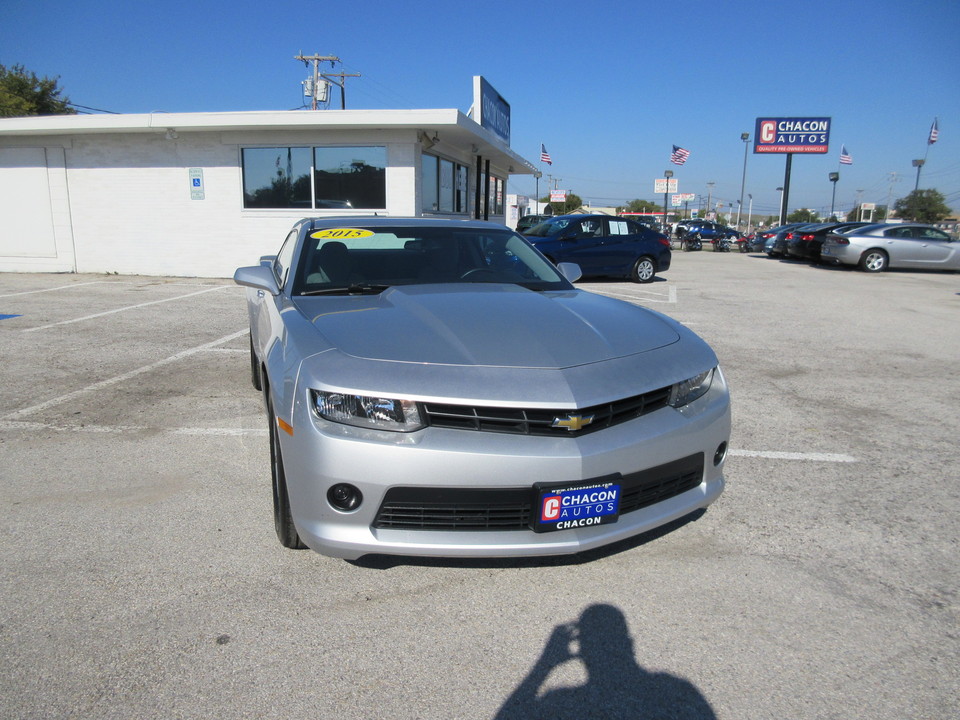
{"x":264,"y":308}
{"x":582,"y":243}
{"x":620,"y":245}
{"x":899,"y":246}
{"x":929,"y":248}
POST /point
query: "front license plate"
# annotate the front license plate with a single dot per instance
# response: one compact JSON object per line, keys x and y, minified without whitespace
{"x":574,"y":505}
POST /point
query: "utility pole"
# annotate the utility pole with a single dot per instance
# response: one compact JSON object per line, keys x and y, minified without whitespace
{"x":328,"y":77}
{"x":893,"y":179}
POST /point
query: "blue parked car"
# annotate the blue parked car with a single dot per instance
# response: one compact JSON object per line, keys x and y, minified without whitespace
{"x":603,"y":246}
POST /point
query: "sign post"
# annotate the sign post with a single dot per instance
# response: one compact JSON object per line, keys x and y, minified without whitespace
{"x":788,"y":136}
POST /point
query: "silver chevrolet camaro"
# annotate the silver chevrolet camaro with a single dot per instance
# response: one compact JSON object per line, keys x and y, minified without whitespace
{"x":437,"y":387}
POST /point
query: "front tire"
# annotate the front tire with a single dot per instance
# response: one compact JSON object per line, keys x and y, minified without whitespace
{"x":874,"y":260}
{"x":644,"y":271}
{"x":282,"y":517}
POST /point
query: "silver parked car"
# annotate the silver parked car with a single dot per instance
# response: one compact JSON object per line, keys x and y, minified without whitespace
{"x":437,"y":387}
{"x":877,"y":247}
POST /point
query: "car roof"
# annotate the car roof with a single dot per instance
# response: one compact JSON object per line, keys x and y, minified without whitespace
{"x":410,"y":222}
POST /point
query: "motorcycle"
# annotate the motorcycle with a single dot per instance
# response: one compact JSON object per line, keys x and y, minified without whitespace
{"x":691,"y":242}
{"x":721,"y":244}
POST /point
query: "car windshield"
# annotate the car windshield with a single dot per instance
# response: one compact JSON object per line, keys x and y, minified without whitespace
{"x":358,"y":259}
{"x":551,"y":227}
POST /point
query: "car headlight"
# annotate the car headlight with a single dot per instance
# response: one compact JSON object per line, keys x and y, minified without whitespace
{"x":379,"y":413}
{"x":684,"y":393}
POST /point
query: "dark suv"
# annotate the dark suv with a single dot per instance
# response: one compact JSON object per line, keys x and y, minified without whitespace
{"x":603,"y":245}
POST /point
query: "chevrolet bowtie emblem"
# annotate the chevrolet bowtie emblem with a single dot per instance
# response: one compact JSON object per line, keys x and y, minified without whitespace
{"x":572,"y":422}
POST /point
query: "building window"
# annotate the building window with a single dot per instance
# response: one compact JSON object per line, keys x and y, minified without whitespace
{"x":430,"y":183}
{"x":496,"y":194}
{"x":276,"y":177}
{"x":350,"y":177}
{"x":315,"y":177}
{"x":444,"y":185}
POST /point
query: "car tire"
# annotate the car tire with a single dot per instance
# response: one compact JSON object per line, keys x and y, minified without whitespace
{"x":282,"y":517}
{"x":644,"y":270}
{"x":255,"y":369}
{"x":874,"y":260}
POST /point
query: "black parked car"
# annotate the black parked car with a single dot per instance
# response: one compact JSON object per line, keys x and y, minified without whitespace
{"x":603,"y":245}
{"x":528,"y":221}
{"x":776,"y":246}
{"x":805,"y":242}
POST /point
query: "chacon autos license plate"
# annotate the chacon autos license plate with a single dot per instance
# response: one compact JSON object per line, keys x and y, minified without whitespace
{"x":561,"y":506}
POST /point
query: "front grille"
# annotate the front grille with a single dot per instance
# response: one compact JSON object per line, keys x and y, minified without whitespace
{"x":420,"y":508}
{"x":533,"y":421}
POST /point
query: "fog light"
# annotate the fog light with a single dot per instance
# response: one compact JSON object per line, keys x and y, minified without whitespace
{"x":720,"y":454}
{"x":344,"y":497}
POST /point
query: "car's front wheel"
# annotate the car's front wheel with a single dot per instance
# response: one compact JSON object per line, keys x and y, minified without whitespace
{"x":874,"y":261}
{"x":282,"y":517}
{"x":644,"y":271}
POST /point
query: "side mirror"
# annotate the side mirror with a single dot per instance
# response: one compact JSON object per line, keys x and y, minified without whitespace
{"x":259,"y":277}
{"x":571,"y":271}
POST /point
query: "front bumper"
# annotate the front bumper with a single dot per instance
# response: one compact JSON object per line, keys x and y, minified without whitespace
{"x":320,"y":454}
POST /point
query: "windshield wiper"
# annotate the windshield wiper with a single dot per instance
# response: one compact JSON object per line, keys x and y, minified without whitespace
{"x":355,"y":289}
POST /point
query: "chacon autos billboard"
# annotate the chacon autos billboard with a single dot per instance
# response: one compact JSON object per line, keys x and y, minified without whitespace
{"x":792,"y":135}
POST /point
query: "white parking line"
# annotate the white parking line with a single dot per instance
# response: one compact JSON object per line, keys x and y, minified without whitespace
{"x":10,"y":424}
{"x":127,"y":429}
{"x":815,"y":457}
{"x":643,"y":295}
{"x":124,"y":309}
{"x":53,"y":289}
{"x":121,"y":378}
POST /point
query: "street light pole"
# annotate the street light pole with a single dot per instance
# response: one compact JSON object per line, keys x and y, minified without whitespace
{"x":918,"y":164}
{"x":834,"y":176}
{"x":666,"y":190}
{"x":743,"y":180}
{"x":780,"y":190}
{"x":750,"y":213}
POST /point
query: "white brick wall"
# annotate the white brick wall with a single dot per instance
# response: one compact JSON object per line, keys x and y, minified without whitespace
{"x":121,"y":202}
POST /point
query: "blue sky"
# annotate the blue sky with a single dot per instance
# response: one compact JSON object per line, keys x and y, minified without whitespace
{"x":608,"y":87}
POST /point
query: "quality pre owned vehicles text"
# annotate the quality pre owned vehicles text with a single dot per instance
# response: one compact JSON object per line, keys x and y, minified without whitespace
{"x":438,"y":387}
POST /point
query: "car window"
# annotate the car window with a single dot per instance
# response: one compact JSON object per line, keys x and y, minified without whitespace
{"x":592,"y":227}
{"x":371,"y":259}
{"x":281,"y":266}
{"x":899,"y":232}
{"x":933,"y":234}
{"x":622,"y":227}
{"x":549,"y":227}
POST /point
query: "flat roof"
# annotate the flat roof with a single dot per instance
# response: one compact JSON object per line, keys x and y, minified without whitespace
{"x":451,"y":124}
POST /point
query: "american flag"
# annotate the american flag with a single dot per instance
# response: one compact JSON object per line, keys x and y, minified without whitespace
{"x":544,"y":155}
{"x":934,"y":133}
{"x":845,"y":157}
{"x":679,"y":155}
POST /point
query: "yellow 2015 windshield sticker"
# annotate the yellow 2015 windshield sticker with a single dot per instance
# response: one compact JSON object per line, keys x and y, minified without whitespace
{"x":340,"y":234}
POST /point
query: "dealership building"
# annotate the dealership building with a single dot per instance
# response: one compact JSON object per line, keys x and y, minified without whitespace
{"x":199,"y":194}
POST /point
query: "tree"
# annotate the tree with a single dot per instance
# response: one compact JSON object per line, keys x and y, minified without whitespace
{"x":22,"y":93}
{"x":923,"y":206}
{"x":643,"y":206}
{"x":802,"y":215}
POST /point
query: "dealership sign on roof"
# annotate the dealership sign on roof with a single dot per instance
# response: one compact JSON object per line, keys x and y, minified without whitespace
{"x":792,"y":135}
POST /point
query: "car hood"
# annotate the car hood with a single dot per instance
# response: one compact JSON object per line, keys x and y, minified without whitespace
{"x":486,"y":326}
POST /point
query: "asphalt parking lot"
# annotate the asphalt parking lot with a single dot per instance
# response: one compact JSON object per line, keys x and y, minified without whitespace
{"x":142,"y":577}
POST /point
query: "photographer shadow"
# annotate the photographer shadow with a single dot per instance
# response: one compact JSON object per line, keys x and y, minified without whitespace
{"x":616,"y":686}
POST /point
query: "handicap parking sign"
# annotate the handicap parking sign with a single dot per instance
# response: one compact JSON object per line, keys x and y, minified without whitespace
{"x":196,"y":184}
